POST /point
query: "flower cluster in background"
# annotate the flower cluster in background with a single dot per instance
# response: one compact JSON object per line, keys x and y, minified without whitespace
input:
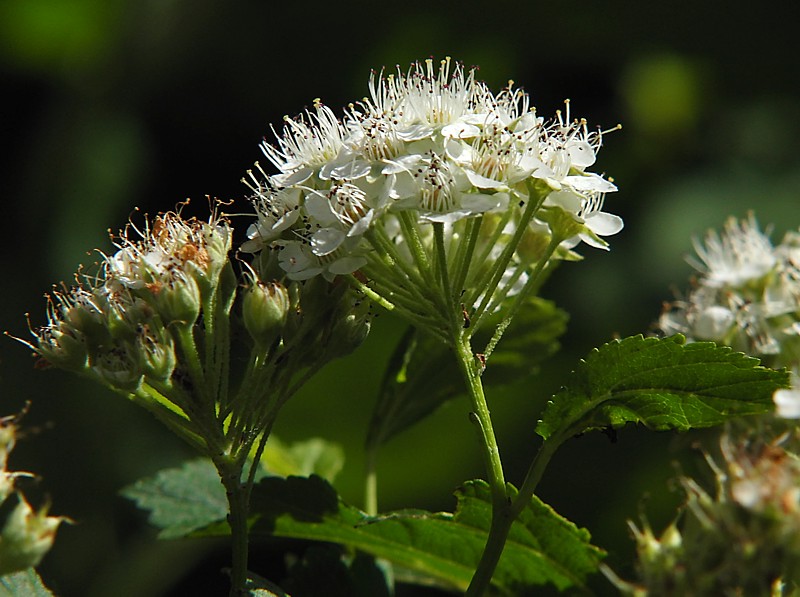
{"x":26,"y":535}
{"x":428,"y":146}
{"x":743,"y":538}
{"x":747,"y":296}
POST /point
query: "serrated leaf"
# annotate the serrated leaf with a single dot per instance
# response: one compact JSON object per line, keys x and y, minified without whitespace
{"x":661,"y":383}
{"x":543,"y":548}
{"x":314,"y":456}
{"x":23,"y":584}
{"x":181,"y":500}
{"x":422,"y":373}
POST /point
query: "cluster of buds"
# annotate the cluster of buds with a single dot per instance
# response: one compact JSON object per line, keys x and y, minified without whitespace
{"x":432,"y":170}
{"x":155,"y":323}
{"x":743,"y":540}
{"x":747,"y":296}
{"x":116,"y":324}
{"x":26,"y":535}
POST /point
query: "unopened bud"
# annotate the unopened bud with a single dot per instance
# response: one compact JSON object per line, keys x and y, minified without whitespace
{"x":62,"y":347}
{"x":156,"y":354}
{"x":178,"y":299}
{"x":264,"y":309}
{"x":349,"y":331}
{"x":25,"y":536}
{"x":119,"y":368}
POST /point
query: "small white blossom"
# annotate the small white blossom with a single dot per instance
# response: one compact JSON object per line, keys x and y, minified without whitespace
{"x":741,"y":254}
{"x":787,"y":402}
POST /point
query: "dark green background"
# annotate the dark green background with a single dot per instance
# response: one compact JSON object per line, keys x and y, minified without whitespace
{"x":114,"y":105}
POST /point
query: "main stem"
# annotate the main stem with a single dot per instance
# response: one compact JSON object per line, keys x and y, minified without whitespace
{"x":501,"y":507}
{"x":230,"y":472}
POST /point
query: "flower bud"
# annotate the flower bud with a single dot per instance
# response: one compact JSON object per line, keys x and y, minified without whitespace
{"x":25,"y":536}
{"x":156,"y":355}
{"x":7,"y":440}
{"x":62,"y":347}
{"x":178,"y":299}
{"x":264,"y":310}
{"x":119,"y":368}
{"x":349,"y":330}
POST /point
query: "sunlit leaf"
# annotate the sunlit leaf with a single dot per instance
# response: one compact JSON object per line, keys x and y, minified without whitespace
{"x":661,"y":383}
{"x":314,"y":456}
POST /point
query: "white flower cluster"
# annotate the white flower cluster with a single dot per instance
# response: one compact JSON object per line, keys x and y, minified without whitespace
{"x":430,"y":142}
{"x":748,"y":297}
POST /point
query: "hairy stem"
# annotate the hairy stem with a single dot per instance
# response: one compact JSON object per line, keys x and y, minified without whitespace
{"x":471,"y":370}
{"x":230,"y":473}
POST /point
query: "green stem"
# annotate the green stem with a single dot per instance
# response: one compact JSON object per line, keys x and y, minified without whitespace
{"x":530,"y":285}
{"x":535,"y":472}
{"x":230,"y":473}
{"x":371,"y":484}
{"x":427,"y":324}
{"x":176,"y":423}
{"x":470,"y":369}
{"x":465,"y":251}
{"x":535,"y":200}
{"x":441,"y":259}
{"x":188,"y":347}
{"x":498,"y":533}
{"x":392,"y":259}
{"x":503,"y":517}
{"x":409,"y":227}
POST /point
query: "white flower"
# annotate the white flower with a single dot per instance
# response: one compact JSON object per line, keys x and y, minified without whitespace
{"x":741,"y":254}
{"x":298,"y":259}
{"x":588,"y":211}
{"x":307,"y":142}
{"x":787,"y":402}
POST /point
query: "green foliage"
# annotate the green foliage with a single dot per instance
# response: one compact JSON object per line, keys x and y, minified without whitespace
{"x":422,"y":373}
{"x":181,"y":500}
{"x":661,"y":383}
{"x":314,"y":456}
{"x":543,"y":547}
{"x":25,"y":583}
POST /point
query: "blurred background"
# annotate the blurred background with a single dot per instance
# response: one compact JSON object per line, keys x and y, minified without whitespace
{"x":110,"y":106}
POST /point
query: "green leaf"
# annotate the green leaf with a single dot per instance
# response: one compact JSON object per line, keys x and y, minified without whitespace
{"x":661,"y":383}
{"x":181,"y":500}
{"x":422,"y":373}
{"x":23,"y":584}
{"x":543,"y":548}
{"x":314,"y":456}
